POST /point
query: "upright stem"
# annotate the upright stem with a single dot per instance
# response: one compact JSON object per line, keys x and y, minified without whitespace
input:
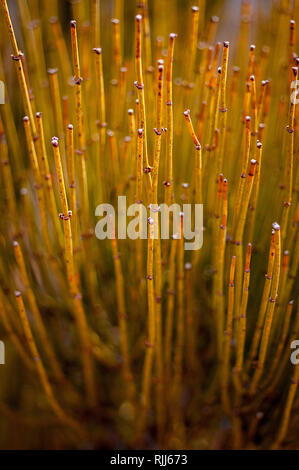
{"x":65,"y":216}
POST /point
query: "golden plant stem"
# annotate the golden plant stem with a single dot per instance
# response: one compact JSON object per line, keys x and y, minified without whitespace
{"x":235,"y":84}
{"x":40,"y":327}
{"x":95,"y":25}
{"x":31,"y":97}
{"x":213,"y":134}
{"x":140,"y":88}
{"x":284,"y":273}
{"x":220,"y":268}
{"x":293,"y":270}
{"x":122,"y":318}
{"x":116,"y":65}
{"x":71,"y":166}
{"x":19,"y":66}
{"x":132,"y":126}
{"x":281,"y":344}
{"x":292,"y":42}
{"x":227,"y":339}
{"x":210,"y":83}
{"x":78,"y":310}
{"x":138,"y":118}
{"x":37,"y":51}
{"x":157,"y":248}
{"x":59,"y":412}
{"x":114,"y":157}
{"x":255,"y":193}
{"x":72,"y":184}
{"x":46,"y":175}
{"x":121,"y":98}
{"x":10,"y":28}
{"x":201,"y":120}
{"x":80,"y":131}
{"x":287,"y":410}
{"x":286,"y":357}
{"x":293,"y":229}
{"x":261,"y":99}
{"x":139,"y":198}
{"x":254,"y":120}
{"x":159,"y":344}
{"x":198,"y":160}
{"x":249,"y":72}
{"x":242,"y":320}
{"x":131,"y":141}
{"x":9,"y":186}
{"x":16,"y":341}
{"x":158,"y":133}
{"x":85,"y":48}
{"x":269,"y":313}
{"x":168,"y":183}
{"x":153,"y":228}
{"x":263,"y":304}
{"x":240,"y":230}
{"x":289,"y":167}
{"x":56,"y":100}
{"x":215,"y":254}
{"x":222,"y":107}
{"x":38,"y":183}
{"x":214,"y":111}
{"x":193,"y":42}
{"x":62,"y":50}
{"x":191,"y":324}
{"x":180,"y":337}
{"x":203,"y":70}
{"x":117,"y":59}
{"x":150,"y":344}
{"x":242,"y":179}
{"x":147,"y":37}
{"x":12,"y":135}
{"x":65,"y":113}
{"x":170,"y":309}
